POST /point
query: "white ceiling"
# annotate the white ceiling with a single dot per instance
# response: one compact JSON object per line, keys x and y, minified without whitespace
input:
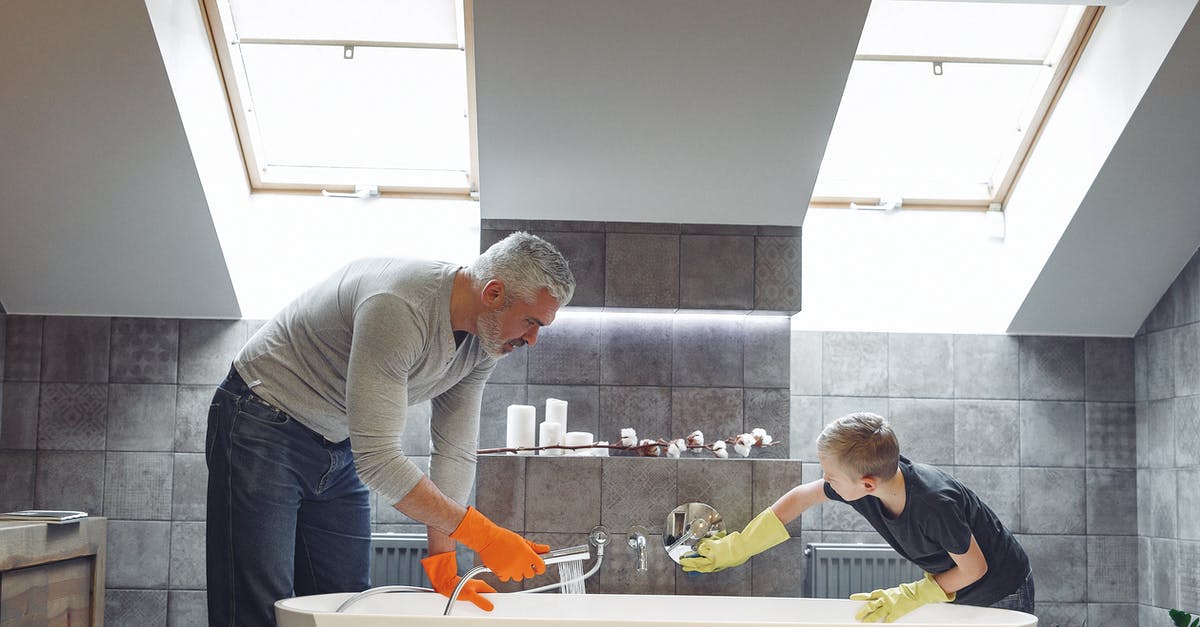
{"x":703,"y":111}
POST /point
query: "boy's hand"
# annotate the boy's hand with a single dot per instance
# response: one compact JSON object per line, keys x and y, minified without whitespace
{"x":717,"y":554}
{"x":888,"y":605}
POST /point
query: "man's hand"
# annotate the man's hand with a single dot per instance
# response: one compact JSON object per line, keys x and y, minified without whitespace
{"x":888,"y":605}
{"x":505,"y":553}
{"x":442,"y":569}
{"x":717,"y":554}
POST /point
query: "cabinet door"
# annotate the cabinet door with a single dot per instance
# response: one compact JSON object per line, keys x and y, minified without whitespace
{"x":59,"y":593}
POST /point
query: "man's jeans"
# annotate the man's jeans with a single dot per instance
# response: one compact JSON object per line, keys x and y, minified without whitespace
{"x":1021,"y":600}
{"x":287,"y":513}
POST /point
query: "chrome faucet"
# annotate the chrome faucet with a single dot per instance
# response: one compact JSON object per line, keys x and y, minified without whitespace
{"x":637,"y":541}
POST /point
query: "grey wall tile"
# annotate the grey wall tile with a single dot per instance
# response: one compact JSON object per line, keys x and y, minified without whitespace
{"x":141,"y":417}
{"x":1048,"y":508}
{"x":144,"y":350}
{"x":1111,"y":435}
{"x":707,"y":350}
{"x":806,"y":425}
{"x":1061,"y":614}
{"x":500,"y":489}
{"x":1187,"y":431}
{"x":189,"y":487}
{"x":585,"y":254}
{"x":1108,"y":369}
{"x":75,"y":349}
{"x":1187,"y":360}
{"x":715,"y":411}
{"x":777,"y":273}
{"x":19,"y":415}
{"x":1061,"y":574}
{"x":727,"y":487}
{"x":513,"y":368}
{"x":619,"y":574}
{"x":837,"y":516}
{"x":986,"y":366}
{"x":834,"y":407}
{"x":583,"y":403}
{"x":641,"y":270}
{"x":1189,"y":504}
{"x":1112,"y":613}
{"x":806,"y":362}
{"x":1112,"y":569}
{"x":23,"y":348}
{"x":1189,"y":578}
{"x":186,"y":608}
{"x":920,"y":365}
{"x":854,"y":364}
{"x":1144,"y":500}
{"x":637,"y":491}
{"x":567,"y":352}
{"x":207,"y":348}
{"x":635,"y":349}
{"x":17,"y":479}
{"x":1052,"y":368}
{"x":667,"y":228}
{"x":493,"y":414}
{"x":138,"y":485}
{"x":1165,"y":573}
{"x":771,"y":480}
{"x":925,"y":428}
{"x":1160,"y":375}
{"x":186,"y":569}
{"x":72,"y":416}
{"x":1164,"y":503}
{"x":138,"y":554}
{"x":1163,"y":314}
{"x":716,"y":272}
{"x":646,"y":410}
{"x":734,"y":582}
{"x":1159,"y":429}
{"x":1111,"y":501}
{"x":778,"y":572}
{"x":1053,"y":433}
{"x":191,"y":417}
{"x":549,"y":480}
{"x":135,"y":607}
{"x":766,"y":350}
{"x":979,"y":425}
{"x":552,"y":574}
{"x":718,"y":229}
{"x":768,"y":410}
{"x":998,"y":487}
{"x":811,"y":519}
{"x":70,"y":480}
{"x":1141,"y":367}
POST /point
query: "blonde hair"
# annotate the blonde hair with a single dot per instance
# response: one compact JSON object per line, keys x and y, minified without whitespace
{"x":862,"y":442}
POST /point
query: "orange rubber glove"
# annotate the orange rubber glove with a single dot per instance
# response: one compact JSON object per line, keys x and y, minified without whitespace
{"x":442,"y":569}
{"x":505,"y":553}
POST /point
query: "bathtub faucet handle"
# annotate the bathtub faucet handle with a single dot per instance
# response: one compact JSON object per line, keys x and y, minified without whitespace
{"x":638,"y":541}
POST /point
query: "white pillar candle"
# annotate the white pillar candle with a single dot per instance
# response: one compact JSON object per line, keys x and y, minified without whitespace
{"x":550,"y":434}
{"x":556,"y":411}
{"x":521,"y":422}
{"x":578,"y":438}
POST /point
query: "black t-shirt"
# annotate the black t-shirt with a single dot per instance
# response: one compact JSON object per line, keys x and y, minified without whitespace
{"x":940,"y":515}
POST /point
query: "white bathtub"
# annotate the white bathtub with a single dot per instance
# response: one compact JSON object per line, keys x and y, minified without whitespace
{"x":623,"y":610}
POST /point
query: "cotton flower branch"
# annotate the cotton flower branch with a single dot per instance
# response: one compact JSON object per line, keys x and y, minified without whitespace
{"x":742,"y":445}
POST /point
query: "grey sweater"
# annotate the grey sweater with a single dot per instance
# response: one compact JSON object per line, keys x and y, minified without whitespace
{"x":351,"y":354}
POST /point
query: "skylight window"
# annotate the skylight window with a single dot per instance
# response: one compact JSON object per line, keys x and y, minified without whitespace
{"x":944,"y":100}
{"x":352,"y":94}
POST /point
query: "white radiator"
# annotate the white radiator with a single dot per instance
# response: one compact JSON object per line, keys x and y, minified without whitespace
{"x":396,"y":559}
{"x":835,"y":571}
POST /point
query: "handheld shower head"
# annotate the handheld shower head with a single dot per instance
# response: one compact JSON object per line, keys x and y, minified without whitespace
{"x":568,"y":554}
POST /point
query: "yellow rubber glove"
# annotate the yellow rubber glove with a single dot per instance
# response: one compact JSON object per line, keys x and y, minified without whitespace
{"x":888,"y":605}
{"x":442,"y":569}
{"x":717,"y":554}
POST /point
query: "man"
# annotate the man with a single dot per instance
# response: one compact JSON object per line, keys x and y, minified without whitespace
{"x":314,"y":407}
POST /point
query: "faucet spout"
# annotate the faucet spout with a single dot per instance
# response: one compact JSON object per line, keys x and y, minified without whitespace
{"x":637,"y":541}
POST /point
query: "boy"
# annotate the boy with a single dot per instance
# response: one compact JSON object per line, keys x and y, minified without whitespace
{"x":925,"y":514}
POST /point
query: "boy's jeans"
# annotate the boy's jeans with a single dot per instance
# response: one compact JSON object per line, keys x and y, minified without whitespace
{"x":287,"y":513}
{"x":1021,"y":600}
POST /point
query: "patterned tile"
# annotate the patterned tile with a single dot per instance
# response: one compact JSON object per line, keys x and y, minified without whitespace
{"x":646,"y":410}
{"x":1061,"y":576}
{"x":186,"y":608}
{"x":75,"y":349}
{"x":1108,"y":369}
{"x":1052,"y":368}
{"x":1164,"y":503}
{"x":768,"y":410}
{"x":1189,"y":503}
{"x":189,"y":488}
{"x":641,"y":270}
{"x":191,"y":417}
{"x":716,"y":272}
{"x":728,"y":487}
{"x":1160,"y":374}
{"x":637,"y":491}
{"x":138,"y":554}
{"x":635,"y":349}
{"x":186,"y":569}
{"x":777,"y":274}
{"x":717,"y":412}
{"x":144,"y":350}
{"x":1164,"y":556}
{"x":1112,"y":569}
{"x":1112,"y":435}
{"x":1046,"y":507}
{"x":1186,"y":355}
{"x":72,"y":416}
{"x":70,"y":480}
{"x":135,"y":607}
{"x":23,"y":348}
{"x":619,"y":574}
{"x":567,"y":352}
{"x":138,"y":485}
{"x":207,"y":348}
{"x":1112,"y":614}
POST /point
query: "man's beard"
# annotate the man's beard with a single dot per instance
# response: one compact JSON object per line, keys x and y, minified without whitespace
{"x":490,"y":333}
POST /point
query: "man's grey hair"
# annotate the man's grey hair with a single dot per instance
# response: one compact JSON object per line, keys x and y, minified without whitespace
{"x":526,"y":263}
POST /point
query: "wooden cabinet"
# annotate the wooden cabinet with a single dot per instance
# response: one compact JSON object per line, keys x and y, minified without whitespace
{"x":52,"y":574}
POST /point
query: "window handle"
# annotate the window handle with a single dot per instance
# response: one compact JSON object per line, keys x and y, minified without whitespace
{"x":888,"y":203}
{"x":360,"y":191}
